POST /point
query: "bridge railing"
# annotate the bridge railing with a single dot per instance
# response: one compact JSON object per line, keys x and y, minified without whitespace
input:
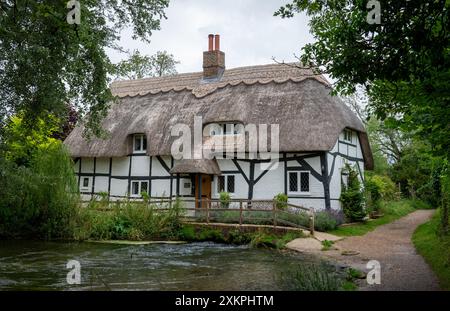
{"x":235,"y":211}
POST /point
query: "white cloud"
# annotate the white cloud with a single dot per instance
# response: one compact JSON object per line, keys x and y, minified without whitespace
{"x":250,"y":34}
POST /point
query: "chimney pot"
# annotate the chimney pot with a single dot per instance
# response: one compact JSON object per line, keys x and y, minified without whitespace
{"x":217,"y":43}
{"x":210,"y":42}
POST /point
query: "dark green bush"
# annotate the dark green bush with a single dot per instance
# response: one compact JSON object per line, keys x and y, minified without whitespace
{"x":352,"y":197}
{"x":238,"y":237}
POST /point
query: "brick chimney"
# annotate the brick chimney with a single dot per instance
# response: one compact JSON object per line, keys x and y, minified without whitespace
{"x":213,"y":59}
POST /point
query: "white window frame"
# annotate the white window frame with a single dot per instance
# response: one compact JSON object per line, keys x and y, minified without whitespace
{"x":348,"y":134}
{"x":141,"y":138}
{"x":139,"y":188}
{"x":225,"y":181}
{"x":88,"y":187}
{"x":299,"y":183}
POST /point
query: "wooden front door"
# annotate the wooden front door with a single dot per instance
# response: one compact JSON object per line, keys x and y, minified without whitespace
{"x":205,"y":189}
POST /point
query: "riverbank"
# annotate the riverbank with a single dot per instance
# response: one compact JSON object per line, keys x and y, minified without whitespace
{"x":402,"y":268}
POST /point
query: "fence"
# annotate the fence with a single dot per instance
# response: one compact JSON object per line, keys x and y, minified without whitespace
{"x":235,"y":211}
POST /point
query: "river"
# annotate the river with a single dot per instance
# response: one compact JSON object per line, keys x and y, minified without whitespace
{"x":35,"y":265}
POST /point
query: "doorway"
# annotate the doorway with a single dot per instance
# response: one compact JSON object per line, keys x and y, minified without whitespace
{"x":204,"y":189}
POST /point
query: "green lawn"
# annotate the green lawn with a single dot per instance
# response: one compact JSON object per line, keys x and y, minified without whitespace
{"x":435,"y":249}
{"x":392,"y":211}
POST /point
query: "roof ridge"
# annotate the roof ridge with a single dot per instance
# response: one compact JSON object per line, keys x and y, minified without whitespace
{"x":279,"y":73}
{"x":193,"y":73}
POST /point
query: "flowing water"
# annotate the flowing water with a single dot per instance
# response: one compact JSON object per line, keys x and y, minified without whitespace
{"x":33,"y":265}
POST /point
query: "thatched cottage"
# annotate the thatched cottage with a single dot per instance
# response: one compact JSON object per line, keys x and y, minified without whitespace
{"x":318,"y":134}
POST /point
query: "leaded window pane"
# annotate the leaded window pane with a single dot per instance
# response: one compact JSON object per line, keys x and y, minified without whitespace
{"x":230,"y":183}
{"x":135,"y":188}
{"x":144,"y":186}
{"x":144,"y":143}
{"x":293,"y":182}
{"x":304,"y":181}
{"x":220,"y":183}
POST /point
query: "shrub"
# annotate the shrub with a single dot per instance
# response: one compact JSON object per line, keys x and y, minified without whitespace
{"x":134,"y":234}
{"x":311,"y":277}
{"x":238,"y":237}
{"x":209,"y":234}
{"x":187,"y":233}
{"x":264,"y":240}
{"x":324,"y":221}
{"x":352,"y":197}
{"x":130,"y":220}
{"x":225,"y":199}
{"x":281,"y":201}
{"x":39,"y":200}
{"x":373,"y":193}
{"x":145,"y":196}
{"x":377,"y":188}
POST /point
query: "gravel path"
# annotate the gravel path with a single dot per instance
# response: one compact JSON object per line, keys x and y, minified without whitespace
{"x":402,"y":268}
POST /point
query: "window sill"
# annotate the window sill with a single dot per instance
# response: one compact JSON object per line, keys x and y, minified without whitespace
{"x":299,"y":194}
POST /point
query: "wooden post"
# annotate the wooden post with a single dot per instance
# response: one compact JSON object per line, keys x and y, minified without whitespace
{"x":207,"y":211}
{"x":240,"y":213}
{"x":311,"y":221}
{"x":274,"y":209}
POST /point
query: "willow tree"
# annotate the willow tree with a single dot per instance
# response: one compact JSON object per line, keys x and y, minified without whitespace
{"x":48,"y":59}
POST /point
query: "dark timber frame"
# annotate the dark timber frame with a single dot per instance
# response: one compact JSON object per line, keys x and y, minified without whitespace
{"x":324,"y":176}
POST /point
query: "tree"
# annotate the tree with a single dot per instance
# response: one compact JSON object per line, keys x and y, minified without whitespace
{"x":21,"y":142}
{"x":139,"y":66}
{"x":387,"y":139}
{"x":352,"y":197}
{"x":45,"y":62}
{"x":403,"y":61}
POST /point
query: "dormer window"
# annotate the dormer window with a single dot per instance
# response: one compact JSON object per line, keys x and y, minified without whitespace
{"x":226,"y":129}
{"x":348,"y":135}
{"x":139,"y":143}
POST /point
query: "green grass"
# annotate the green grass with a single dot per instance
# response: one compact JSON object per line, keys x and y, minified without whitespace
{"x":391,"y":210}
{"x":435,"y":249}
{"x":326,"y":245}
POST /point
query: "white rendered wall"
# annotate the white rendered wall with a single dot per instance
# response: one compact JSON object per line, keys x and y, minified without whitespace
{"x":272,"y":183}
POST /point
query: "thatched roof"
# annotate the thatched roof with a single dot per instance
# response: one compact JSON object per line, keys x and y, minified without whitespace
{"x":310,"y":118}
{"x":203,"y":166}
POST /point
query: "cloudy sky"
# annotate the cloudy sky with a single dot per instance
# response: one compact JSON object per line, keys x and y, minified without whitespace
{"x":250,"y":34}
